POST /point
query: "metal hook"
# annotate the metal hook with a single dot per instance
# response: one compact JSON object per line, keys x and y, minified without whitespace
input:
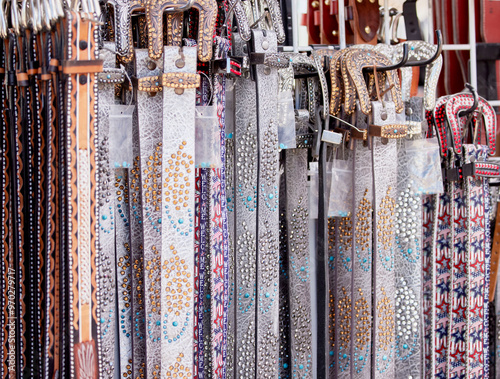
{"x":23,"y":21}
{"x":394,"y":66}
{"x":467,"y":112}
{"x":14,"y":17}
{"x":439,"y":38}
{"x":3,"y":20}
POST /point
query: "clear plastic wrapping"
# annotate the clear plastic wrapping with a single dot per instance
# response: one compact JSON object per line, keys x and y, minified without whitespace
{"x":424,"y":166}
{"x":120,"y":135}
{"x":340,"y":203}
{"x":207,"y":138}
{"x":286,"y":121}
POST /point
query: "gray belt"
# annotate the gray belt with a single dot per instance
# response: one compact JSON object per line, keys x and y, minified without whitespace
{"x":267,"y":211}
{"x":245,"y":224}
{"x":177,"y":209}
{"x":107,"y":218}
{"x":150,"y":119}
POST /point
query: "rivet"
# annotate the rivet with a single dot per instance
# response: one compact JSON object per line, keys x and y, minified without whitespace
{"x":267,"y":70}
{"x":368,"y":29}
{"x":151,"y":65}
{"x":265,"y":44}
{"x":179,"y":63}
{"x":83,"y":79}
{"x":383,"y":115}
{"x":179,"y":91}
{"x":83,"y":45}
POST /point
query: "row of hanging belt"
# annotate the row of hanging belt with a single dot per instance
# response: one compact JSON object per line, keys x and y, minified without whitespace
{"x":182,"y":199}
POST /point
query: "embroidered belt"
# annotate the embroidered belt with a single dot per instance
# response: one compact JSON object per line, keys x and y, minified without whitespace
{"x":176,"y":192}
{"x":81,"y":86}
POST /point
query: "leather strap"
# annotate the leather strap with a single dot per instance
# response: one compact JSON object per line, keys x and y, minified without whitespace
{"x":107,"y":225}
{"x":124,"y":264}
{"x":267,"y":210}
{"x":408,"y":273}
{"x":137,"y":244}
{"x":411,"y":20}
{"x":385,"y":297}
{"x":245,"y":206}
{"x":177,"y":209}
{"x":150,"y":122}
{"x":82,"y":214}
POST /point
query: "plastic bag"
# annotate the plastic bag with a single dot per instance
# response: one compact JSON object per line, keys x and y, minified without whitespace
{"x":340,"y":203}
{"x":286,"y":121}
{"x":424,"y":166}
{"x":120,"y":136}
{"x":207,"y":137}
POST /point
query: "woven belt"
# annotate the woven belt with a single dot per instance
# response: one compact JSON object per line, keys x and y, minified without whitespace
{"x":150,"y":120}
{"x":81,"y":67}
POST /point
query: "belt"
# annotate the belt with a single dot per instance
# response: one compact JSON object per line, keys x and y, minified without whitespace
{"x":387,"y":301}
{"x":124,"y":265}
{"x":107,"y":219}
{"x":51,"y":336}
{"x":478,"y":261}
{"x":137,"y":240}
{"x":150,"y":124}
{"x":408,"y":273}
{"x":299,"y":266}
{"x":81,"y":67}
{"x":219,"y":253}
{"x":267,"y":211}
{"x":245,"y":208}
{"x":202,"y":261}
{"x":178,"y":209}
{"x":230,"y":198}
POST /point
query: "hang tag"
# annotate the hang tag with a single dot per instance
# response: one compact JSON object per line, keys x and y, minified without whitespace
{"x":120,"y":135}
{"x":286,"y":121}
{"x":340,"y":203}
{"x":424,"y":166}
{"x":207,"y":137}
